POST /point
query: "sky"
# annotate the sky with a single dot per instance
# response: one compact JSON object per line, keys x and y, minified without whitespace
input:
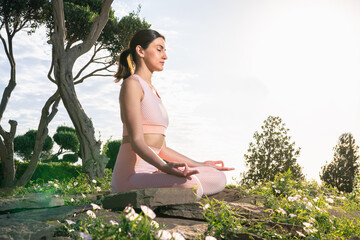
{"x":231,"y":64}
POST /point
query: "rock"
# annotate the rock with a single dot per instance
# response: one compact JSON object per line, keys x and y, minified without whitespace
{"x":190,"y":228}
{"x":29,"y":201}
{"x":151,"y":197}
{"x":190,"y":211}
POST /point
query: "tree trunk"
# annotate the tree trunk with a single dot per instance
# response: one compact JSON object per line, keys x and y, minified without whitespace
{"x":41,"y":135}
{"x":93,"y":163}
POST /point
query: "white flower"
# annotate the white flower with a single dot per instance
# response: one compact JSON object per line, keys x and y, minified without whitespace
{"x":50,"y":182}
{"x":312,"y":220}
{"x":316,"y":199}
{"x":129,"y":209}
{"x":154,"y":224}
{"x":292,"y":215}
{"x":98,"y":189}
{"x":329,"y":200}
{"x":317,"y":208}
{"x":274,"y":186}
{"x":281,"y":180}
{"x":102,"y":225}
{"x":75,"y":183}
{"x":147,"y":211}
{"x":295,"y":198}
{"x":83,"y":195}
{"x":206,"y":206}
{"x":210,"y":238}
{"x":91,"y":214}
{"x":69,"y":222}
{"x":72,"y":200}
{"x":56,"y":195}
{"x":277,"y":191}
{"x":300,"y":234}
{"x":114,"y":223}
{"x":280,"y":210}
{"x":55,"y":185}
{"x":308,"y":225}
{"x":85,"y":236}
{"x":68,"y":187}
{"x":163,"y":235}
{"x":94,"y":181}
{"x":177,"y":236}
{"x":305,"y":199}
{"x":95,"y":206}
{"x":119,"y":230}
{"x":133,"y":216}
{"x":309,"y":205}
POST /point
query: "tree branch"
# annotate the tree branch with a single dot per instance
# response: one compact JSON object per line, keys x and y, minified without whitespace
{"x":92,"y":74}
{"x":88,"y":63}
{"x":50,"y":70}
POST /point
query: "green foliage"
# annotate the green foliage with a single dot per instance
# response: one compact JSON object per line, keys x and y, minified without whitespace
{"x":71,"y":158}
{"x":111,"y":150}
{"x":271,"y":152}
{"x":18,"y":14}
{"x":24,"y":144}
{"x":343,"y":170}
{"x":67,"y":139}
{"x":117,"y":34}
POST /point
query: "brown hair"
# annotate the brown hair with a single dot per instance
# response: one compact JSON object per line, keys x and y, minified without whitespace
{"x":143,"y":38}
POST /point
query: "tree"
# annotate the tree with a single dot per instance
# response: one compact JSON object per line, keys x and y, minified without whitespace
{"x":271,"y":153}
{"x":66,"y":138}
{"x":15,"y":15}
{"x":24,"y":144}
{"x":343,"y":170}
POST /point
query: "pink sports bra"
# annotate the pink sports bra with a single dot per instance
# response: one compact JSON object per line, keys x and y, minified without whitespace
{"x":154,"y":115}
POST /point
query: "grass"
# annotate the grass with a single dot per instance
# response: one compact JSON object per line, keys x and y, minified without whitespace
{"x":304,"y":206}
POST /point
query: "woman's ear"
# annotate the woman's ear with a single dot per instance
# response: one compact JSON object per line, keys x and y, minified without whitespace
{"x":139,"y":51}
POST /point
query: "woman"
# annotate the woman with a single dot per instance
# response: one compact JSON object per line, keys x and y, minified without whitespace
{"x":140,"y":163}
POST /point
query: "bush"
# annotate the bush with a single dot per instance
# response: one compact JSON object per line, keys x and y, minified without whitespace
{"x":111,"y":150}
{"x":71,"y":158}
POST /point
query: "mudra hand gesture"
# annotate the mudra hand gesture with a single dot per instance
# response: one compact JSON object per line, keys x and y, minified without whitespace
{"x":219,"y":165}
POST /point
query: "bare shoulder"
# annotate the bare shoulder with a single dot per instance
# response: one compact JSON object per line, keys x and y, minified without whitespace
{"x":131,"y":87}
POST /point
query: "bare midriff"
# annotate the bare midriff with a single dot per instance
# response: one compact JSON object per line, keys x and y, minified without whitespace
{"x":151,"y":139}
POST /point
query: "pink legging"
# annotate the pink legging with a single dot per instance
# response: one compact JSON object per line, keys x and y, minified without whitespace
{"x":132,"y":172}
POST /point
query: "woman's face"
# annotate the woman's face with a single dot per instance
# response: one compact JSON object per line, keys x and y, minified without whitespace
{"x":154,"y":56}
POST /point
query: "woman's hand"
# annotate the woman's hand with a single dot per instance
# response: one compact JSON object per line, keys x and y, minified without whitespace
{"x":178,"y":169}
{"x":219,"y":165}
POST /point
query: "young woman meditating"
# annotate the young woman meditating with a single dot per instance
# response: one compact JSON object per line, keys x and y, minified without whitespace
{"x":140,"y":162}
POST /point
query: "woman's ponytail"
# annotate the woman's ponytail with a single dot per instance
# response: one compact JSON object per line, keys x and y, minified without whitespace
{"x":125,"y":68}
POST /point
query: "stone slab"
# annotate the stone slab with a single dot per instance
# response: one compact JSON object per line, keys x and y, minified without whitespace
{"x":29,"y":201}
{"x":151,"y":197}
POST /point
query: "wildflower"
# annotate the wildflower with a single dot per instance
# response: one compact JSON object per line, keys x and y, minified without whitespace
{"x":281,"y":180}
{"x":300,"y":234}
{"x":91,"y":214}
{"x":114,"y":223}
{"x":295,"y":198}
{"x":177,"y":236}
{"x":277,"y":191}
{"x":119,"y":230}
{"x":206,"y":206}
{"x":85,"y":236}
{"x":292,"y":215}
{"x":316,"y":199}
{"x":68,"y":187}
{"x":72,"y":200}
{"x":94,"y":181}
{"x":163,"y":235}
{"x":129,"y":209}
{"x":50,"y":182}
{"x":147,"y":211}
{"x":280,"y":210}
{"x":83,"y":195}
{"x":75,"y":183}
{"x":98,"y":189}
{"x":69,"y":222}
{"x":308,"y":225}
{"x":305,"y":199}
{"x":309,"y":205}
{"x":329,"y":200}
{"x":95,"y":206}
{"x":317,"y":208}
{"x":55,"y":185}
{"x":274,"y":186}
{"x":312,"y":220}
{"x":154,"y":224}
{"x":56,"y":195}
{"x":102,"y":225}
{"x":210,"y":238}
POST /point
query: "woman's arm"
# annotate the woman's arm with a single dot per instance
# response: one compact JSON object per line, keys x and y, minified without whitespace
{"x":130,"y":98}
{"x":171,"y":155}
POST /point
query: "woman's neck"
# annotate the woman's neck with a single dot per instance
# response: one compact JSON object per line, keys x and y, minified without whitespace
{"x":145,"y":74}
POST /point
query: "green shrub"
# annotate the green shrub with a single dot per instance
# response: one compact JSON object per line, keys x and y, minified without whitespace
{"x":71,"y":158}
{"x":111,"y":150}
